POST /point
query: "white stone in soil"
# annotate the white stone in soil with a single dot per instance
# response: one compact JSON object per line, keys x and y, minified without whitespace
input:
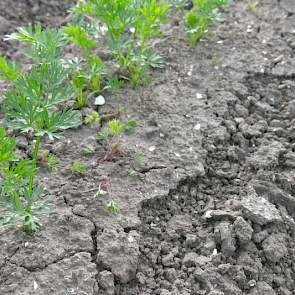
{"x":258,"y":209}
{"x":99,"y":100}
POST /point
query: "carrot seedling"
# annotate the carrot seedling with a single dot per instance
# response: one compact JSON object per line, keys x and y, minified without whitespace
{"x":130,"y":24}
{"x":88,"y":150}
{"x":41,"y":45}
{"x":87,"y":79}
{"x":78,"y":167}
{"x":91,"y":118}
{"x":199,"y":18}
{"x":33,"y":105}
{"x":113,"y":133}
{"x":113,"y":207}
{"x":18,"y":205}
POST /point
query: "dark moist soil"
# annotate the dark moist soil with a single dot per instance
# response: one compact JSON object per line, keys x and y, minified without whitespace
{"x":211,"y":209}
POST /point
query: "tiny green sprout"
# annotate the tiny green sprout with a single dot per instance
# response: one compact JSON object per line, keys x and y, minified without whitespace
{"x":102,"y":135}
{"x":79,"y":82}
{"x":97,"y":70}
{"x":113,"y":207}
{"x":135,"y":174}
{"x":115,"y":128}
{"x":78,"y":167}
{"x":130,"y":126}
{"x":52,"y":162}
{"x":88,"y":150}
{"x":92,"y":118}
{"x":78,"y":35}
{"x":216,"y":61}
{"x":179,"y":4}
{"x":252,"y":5}
{"x":138,"y":158}
{"x":93,"y":70}
{"x":100,"y":192}
{"x":200,"y":17}
{"x":113,"y":133}
{"x":9,"y":71}
{"x":114,"y":85}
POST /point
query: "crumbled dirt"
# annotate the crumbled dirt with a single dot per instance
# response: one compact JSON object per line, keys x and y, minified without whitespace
{"x":212,"y":209}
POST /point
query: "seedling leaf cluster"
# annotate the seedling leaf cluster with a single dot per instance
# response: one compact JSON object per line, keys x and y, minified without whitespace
{"x":198,"y":19}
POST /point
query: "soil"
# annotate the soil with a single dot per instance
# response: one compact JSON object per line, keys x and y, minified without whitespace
{"x":211,"y":210}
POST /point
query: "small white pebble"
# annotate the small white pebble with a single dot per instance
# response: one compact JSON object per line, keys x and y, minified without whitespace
{"x":99,"y":100}
{"x":208,"y":214}
{"x":197,"y":127}
{"x":36,"y":286}
{"x":130,"y":239}
{"x":152,"y":148}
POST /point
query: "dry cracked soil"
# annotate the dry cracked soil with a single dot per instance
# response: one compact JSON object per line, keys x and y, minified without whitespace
{"x":211,"y":210}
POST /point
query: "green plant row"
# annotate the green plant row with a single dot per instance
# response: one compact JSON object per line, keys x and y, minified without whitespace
{"x":45,"y":99}
{"x":198,"y":19}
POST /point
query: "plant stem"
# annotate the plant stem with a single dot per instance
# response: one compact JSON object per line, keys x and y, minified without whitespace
{"x":34,"y":161}
{"x":28,"y":225}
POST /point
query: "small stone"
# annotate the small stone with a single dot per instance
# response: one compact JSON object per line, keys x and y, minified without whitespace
{"x":170,"y":274}
{"x":140,"y":278}
{"x":99,"y":100}
{"x":106,"y":281}
{"x":118,"y":254}
{"x":193,"y":259}
{"x":258,"y":209}
{"x":260,"y":236}
{"x":191,"y":241}
{"x":4,"y":25}
{"x":262,"y":288}
{"x":274,"y":247}
{"x":227,"y":241}
{"x":290,"y":159}
{"x":86,"y":111}
{"x":22,"y":142}
{"x":216,"y":292}
{"x":251,"y":283}
{"x":165,"y":292}
{"x":180,"y":224}
{"x":243,"y":230}
{"x":221,"y":215}
{"x":241,"y":111}
{"x":152,"y":148}
{"x":36,"y":286}
{"x":167,"y":260}
{"x":197,"y":127}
